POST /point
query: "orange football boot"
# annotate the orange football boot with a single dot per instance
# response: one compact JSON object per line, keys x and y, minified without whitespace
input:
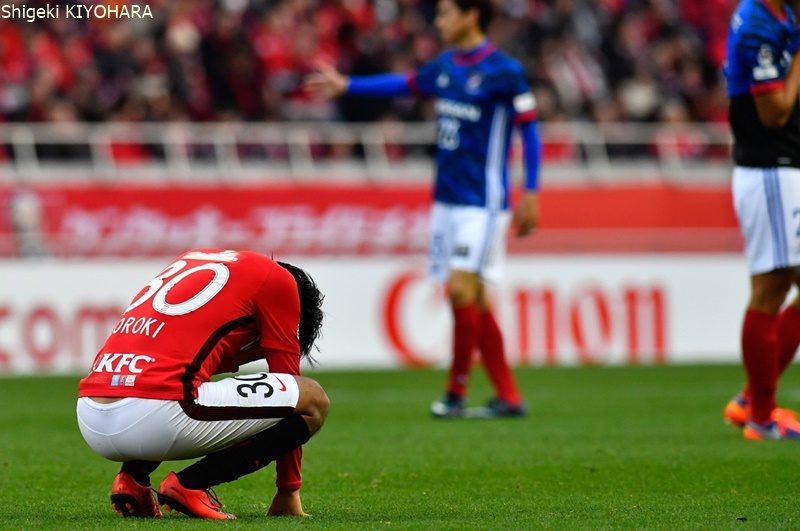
{"x":736,"y":411}
{"x":783,"y":424}
{"x":787,"y":423}
{"x":197,"y":503}
{"x":753,"y":431}
{"x":129,"y":498}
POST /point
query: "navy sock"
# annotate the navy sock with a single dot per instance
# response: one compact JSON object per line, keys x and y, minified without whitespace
{"x":140,"y":470}
{"x":245,"y":458}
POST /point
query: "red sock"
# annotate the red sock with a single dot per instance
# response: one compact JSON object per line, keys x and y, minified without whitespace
{"x":788,"y":336}
{"x":490,"y":342}
{"x":760,"y":356}
{"x":465,"y":337}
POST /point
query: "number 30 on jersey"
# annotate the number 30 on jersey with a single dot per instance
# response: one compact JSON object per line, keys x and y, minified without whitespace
{"x":159,"y":287}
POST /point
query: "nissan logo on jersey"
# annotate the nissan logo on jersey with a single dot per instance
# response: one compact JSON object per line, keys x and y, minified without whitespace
{"x":115,"y":362}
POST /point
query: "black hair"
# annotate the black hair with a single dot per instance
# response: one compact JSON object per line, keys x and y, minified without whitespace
{"x":310,"y":309}
{"x":485,"y":11}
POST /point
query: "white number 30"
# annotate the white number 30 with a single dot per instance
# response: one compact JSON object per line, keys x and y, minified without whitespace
{"x":158,"y":290}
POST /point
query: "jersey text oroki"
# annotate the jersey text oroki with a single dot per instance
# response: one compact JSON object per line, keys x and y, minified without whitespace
{"x":148,"y":326}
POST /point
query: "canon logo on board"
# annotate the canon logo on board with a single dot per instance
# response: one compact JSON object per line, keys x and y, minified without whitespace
{"x":546,"y":323}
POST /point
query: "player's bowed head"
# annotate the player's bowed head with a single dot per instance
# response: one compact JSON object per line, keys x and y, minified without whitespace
{"x":310,"y":309}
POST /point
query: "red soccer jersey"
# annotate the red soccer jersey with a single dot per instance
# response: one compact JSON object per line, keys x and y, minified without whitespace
{"x":191,"y":322}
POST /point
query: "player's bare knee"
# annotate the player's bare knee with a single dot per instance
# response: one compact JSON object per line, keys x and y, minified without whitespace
{"x":769,"y":291}
{"x":313,"y":404}
{"x":462,"y":288}
{"x":482,"y":299}
{"x":769,"y":298}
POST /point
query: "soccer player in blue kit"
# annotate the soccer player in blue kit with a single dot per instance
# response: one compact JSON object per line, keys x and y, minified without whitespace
{"x":481,"y":94}
{"x":763,"y":73}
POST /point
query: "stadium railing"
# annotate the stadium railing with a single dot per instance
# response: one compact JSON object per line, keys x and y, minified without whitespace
{"x":258,"y":152}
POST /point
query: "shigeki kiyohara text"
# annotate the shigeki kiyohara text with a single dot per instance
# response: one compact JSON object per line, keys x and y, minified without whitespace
{"x":74,"y":11}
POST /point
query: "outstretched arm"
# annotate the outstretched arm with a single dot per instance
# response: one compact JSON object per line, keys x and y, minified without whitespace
{"x":330,"y":83}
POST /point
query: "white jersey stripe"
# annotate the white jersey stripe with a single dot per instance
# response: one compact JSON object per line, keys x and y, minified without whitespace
{"x":495,"y":195}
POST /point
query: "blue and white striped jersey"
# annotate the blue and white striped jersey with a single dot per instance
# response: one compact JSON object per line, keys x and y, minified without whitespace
{"x":479,"y":95}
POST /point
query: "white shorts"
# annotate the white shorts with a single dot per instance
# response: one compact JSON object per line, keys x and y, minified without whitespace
{"x":467,"y":238}
{"x":767,"y":203}
{"x":225,"y":413}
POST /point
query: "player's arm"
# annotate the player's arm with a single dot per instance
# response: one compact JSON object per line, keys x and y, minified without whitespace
{"x":526,"y":213}
{"x":330,"y":83}
{"x":775,"y":101}
{"x":774,"y":106}
{"x":277,"y":310}
{"x":288,"y":478}
{"x":252,"y":351}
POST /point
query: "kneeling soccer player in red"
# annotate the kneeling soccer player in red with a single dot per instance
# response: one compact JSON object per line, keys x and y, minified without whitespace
{"x":149,"y":397}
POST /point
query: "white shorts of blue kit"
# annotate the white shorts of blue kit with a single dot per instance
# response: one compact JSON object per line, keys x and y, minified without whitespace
{"x":767,"y":203}
{"x":467,"y":238}
{"x":225,"y":413}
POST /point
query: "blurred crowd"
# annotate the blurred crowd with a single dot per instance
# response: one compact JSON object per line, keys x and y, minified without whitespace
{"x":220,"y":60}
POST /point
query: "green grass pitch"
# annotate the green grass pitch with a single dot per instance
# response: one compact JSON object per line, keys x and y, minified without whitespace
{"x":630,"y":447}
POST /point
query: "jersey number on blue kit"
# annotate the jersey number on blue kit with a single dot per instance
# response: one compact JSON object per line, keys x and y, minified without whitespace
{"x":448,"y":137}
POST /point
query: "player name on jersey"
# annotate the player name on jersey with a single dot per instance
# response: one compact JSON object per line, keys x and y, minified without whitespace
{"x":147,"y":326}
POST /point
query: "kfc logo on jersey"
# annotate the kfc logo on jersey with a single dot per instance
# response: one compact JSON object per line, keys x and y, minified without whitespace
{"x":766,"y":68}
{"x":115,"y":362}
